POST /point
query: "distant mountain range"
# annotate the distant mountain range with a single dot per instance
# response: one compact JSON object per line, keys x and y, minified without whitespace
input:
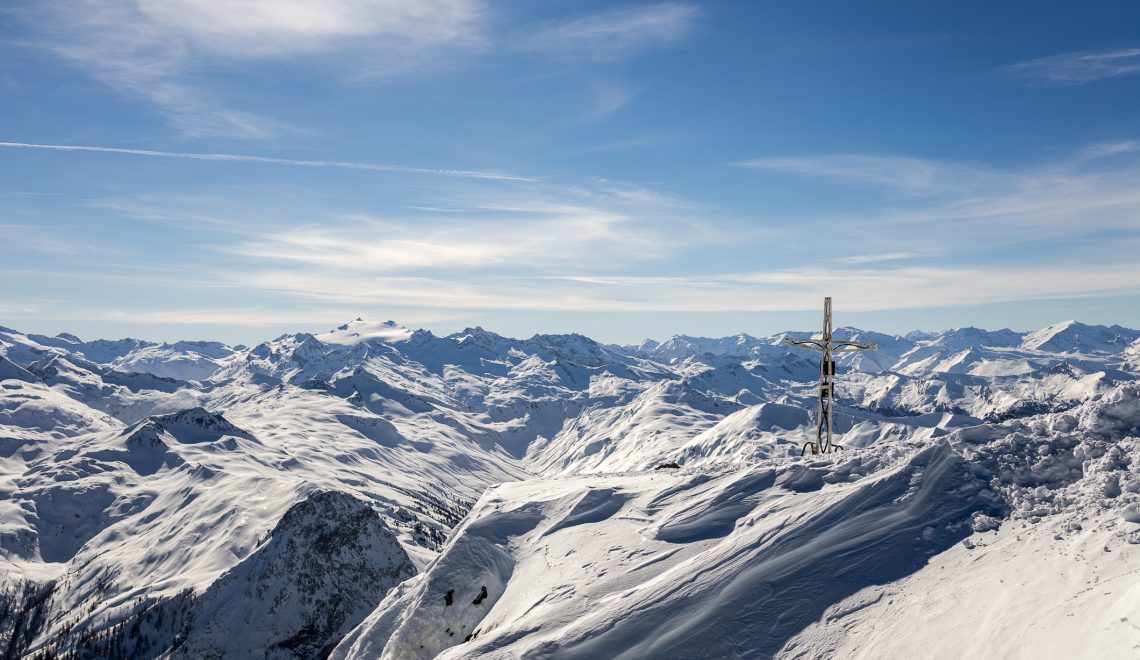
{"x":197,"y":499}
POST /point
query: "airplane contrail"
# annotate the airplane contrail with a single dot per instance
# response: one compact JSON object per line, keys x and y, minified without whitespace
{"x":240,"y":158}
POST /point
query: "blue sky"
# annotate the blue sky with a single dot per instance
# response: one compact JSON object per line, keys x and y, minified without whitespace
{"x":619,"y":169}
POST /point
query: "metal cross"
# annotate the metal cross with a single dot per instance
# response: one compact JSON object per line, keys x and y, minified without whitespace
{"x":827,"y":347}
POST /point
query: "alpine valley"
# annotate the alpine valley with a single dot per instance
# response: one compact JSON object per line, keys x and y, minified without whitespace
{"x":378,"y":492}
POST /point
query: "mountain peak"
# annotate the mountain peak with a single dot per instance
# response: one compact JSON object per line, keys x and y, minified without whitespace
{"x":359,"y":330}
{"x":1073,"y":336}
{"x":477,"y":336}
{"x":196,"y":424}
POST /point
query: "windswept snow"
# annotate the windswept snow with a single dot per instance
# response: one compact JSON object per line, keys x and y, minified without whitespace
{"x":868,"y":555}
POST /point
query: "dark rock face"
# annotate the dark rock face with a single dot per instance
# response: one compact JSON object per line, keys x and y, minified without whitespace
{"x":325,"y":566}
{"x":197,"y":425}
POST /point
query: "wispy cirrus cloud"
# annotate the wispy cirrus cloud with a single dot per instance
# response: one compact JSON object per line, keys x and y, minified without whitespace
{"x":899,"y":173}
{"x":245,"y":158}
{"x":1109,"y":149}
{"x":615,"y":33}
{"x":862,"y":289}
{"x":600,"y":225}
{"x":1080,"y":208}
{"x":157,"y":51}
{"x":176,"y":55}
{"x":1077,"y":68}
{"x":1090,"y":189}
{"x":605,"y":99}
{"x":861,"y":259}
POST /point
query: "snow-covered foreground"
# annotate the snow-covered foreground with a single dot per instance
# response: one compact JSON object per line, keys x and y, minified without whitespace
{"x":390,"y":493}
{"x":1011,"y":541}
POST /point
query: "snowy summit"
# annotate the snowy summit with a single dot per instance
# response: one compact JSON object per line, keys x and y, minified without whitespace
{"x":359,"y":330}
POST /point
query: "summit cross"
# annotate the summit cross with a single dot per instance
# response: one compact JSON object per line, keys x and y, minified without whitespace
{"x":827,"y":347}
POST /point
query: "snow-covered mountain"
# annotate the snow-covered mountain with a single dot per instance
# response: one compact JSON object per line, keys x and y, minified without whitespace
{"x":1073,"y":337}
{"x":372,"y":483}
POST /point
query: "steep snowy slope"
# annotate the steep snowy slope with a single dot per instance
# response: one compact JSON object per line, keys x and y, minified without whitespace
{"x":781,"y":557}
{"x":1056,"y":579}
{"x":673,"y":565}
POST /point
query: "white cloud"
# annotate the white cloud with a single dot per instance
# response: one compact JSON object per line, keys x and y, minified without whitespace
{"x":615,"y":33}
{"x":260,"y":28}
{"x":1077,"y":68}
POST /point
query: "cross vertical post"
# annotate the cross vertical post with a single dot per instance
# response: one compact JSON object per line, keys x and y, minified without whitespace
{"x":827,"y":348}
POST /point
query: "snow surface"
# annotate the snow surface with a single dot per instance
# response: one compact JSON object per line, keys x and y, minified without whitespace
{"x":195,"y":499}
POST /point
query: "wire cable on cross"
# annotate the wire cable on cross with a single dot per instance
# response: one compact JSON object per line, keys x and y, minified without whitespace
{"x":827,"y":347}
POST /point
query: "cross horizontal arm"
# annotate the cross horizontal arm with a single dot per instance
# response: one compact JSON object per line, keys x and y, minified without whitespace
{"x":837,"y":347}
{"x":847,"y":346}
{"x":813,"y":344}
